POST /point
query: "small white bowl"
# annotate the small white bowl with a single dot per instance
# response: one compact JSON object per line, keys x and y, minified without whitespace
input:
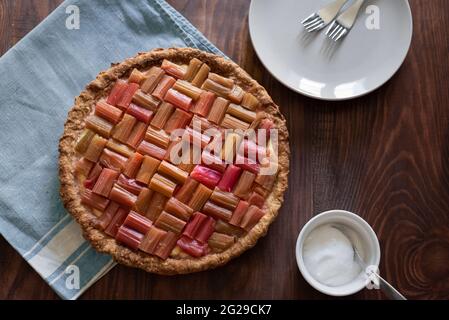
{"x":367,"y":241}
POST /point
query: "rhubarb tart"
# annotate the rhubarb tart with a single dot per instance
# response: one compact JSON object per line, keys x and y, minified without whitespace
{"x":174,"y":161}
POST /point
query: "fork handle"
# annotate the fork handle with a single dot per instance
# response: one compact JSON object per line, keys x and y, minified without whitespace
{"x":347,"y":18}
{"x":329,"y":12}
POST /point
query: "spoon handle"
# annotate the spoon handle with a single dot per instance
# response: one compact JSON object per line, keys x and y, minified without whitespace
{"x":389,"y":290}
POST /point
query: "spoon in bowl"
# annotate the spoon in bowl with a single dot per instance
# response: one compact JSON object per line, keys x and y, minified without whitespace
{"x":386,"y":287}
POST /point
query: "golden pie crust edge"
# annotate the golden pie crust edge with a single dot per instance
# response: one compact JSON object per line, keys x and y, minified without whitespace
{"x":74,"y":125}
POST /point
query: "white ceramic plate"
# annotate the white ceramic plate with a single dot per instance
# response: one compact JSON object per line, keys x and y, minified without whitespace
{"x":317,"y":67}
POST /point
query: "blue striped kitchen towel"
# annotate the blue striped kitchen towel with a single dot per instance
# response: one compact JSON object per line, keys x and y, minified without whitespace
{"x":39,"y":77}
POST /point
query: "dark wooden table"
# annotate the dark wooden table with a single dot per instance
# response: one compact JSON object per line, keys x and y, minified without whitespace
{"x":384,"y":156}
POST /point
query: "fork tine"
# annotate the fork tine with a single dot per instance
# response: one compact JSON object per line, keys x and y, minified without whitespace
{"x":309,"y":18}
{"x":335,"y":31}
{"x":330,"y":28}
{"x":341,"y":34}
{"x":313,"y":25}
{"x":337,"y":35}
{"x":318,"y":27}
{"x":308,"y":23}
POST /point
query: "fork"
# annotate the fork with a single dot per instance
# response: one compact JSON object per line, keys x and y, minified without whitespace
{"x":341,"y":26}
{"x":318,"y":20}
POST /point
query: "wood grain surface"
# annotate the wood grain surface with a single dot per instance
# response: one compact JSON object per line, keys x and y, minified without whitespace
{"x":384,"y":156}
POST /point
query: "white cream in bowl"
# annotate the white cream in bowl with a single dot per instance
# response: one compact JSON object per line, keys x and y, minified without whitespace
{"x":325,"y":254}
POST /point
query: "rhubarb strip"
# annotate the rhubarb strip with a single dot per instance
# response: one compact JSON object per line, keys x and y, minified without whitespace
{"x":116,"y":222}
{"x":143,"y":201}
{"x":152,"y":239}
{"x":230,"y":178}
{"x":241,"y":113}
{"x":218,"y":110}
{"x":118,"y":147}
{"x":168,"y":222}
{"x":89,"y":183}
{"x":253,"y":151}
{"x":194,"y":225}
{"x":226,"y":228}
{"x":263,"y":192}
{"x":201,"y":124}
{"x":122,"y":196}
{"x":108,"y":112}
{"x":133,"y":164}
{"x":129,"y":184}
{"x":178,"y":99}
{"x":147,"y":148}
{"x":166,"y":245}
{"x":220,"y":241}
{"x":230,"y":147}
{"x":116,"y":93}
{"x":179,"y":119}
{"x":123,"y":129}
{"x":145,"y":100}
{"x":162,"y":185}
{"x":225,"y":82}
{"x":105,"y":182}
{"x":127,"y":96}
{"x":173,"y":69}
{"x":225,"y":199}
{"x":83,"y":167}
{"x":206,"y":230}
{"x":162,"y":115}
{"x":129,"y":237}
{"x":192,"y":69}
{"x":266,"y":181}
{"x":244,"y":184}
{"x":250,"y":102}
{"x":84,"y":141}
{"x":95,"y":148}
{"x":206,"y":176}
{"x":187,"y":89}
{"x":137,"y":222}
{"x":239,"y":212}
{"x":163,"y":86}
{"x":212,"y":161}
{"x":112,"y":160}
{"x":256,"y":199}
{"x":199,"y":197}
{"x":137,"y":135}
{"x":192,"y":247}
{"x":247,"y":164}
{"x":89,"y":198}
{"x":201,"y":76}
{"x":216,"y":88}
{"x":157,"y":137}
{"x":178,"y":209}
{"x":105,"y":219}
{"x":99,"y":125}
{"x":185,"y":192}
{"x":158,"y":202}
{"x":216,"y":211}
{"x":172,"y":171}
{"x":154,"y":75}
{"x":204,"y":103}
{"x":267,"y":125}
{"x":230,"y":122}
{"x":136,"y":77}
{"x":251,"y":218}
{"x":196,"y":138}
{"x":236,"y":95}
{"x":148,"y":169}
{"x":141,"y":114}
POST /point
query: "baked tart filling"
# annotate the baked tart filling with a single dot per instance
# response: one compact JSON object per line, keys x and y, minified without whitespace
{"x":177,"y":158}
